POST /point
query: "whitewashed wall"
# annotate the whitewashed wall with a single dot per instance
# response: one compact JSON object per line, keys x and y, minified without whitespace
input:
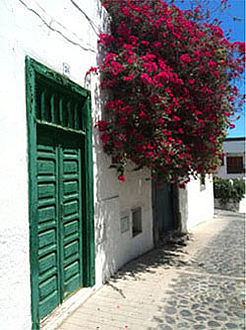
{"x":232,"y":148}
{"x":196,"y":203}
{"x":53,"y":33}
{"x":113,"y":247}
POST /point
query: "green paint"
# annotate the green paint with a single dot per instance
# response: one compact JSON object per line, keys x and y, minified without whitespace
{"x":60,"y":188}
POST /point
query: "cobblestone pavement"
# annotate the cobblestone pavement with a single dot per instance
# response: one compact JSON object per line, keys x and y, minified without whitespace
{"x":193,"y":282}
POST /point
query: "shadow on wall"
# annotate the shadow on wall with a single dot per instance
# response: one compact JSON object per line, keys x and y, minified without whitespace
{"x":106,"y":199}
{"x":168,"y":253}
{"x":105,"y":229}
{"x":114,"y":247}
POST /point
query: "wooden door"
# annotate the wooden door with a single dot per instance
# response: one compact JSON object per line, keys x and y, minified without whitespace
{"x":163,"y":209}
{"x":60,"y":220}
{"x":60,"y":188}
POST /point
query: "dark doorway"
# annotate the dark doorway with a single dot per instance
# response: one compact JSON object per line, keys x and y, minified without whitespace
{"x":164,"y":202}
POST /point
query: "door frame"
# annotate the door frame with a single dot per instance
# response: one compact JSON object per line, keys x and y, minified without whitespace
{"x":34,"y":69}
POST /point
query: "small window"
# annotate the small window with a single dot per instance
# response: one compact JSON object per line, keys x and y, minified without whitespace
{"x":136,"y":221}
{"x":234,"y":164}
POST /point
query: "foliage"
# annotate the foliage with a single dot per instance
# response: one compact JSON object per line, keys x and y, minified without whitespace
{"x":170,"y":78}
{"x":229,"y":189}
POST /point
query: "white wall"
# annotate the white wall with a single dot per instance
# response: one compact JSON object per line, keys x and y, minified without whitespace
{"x":54,"y":32}
{"x":196,"y":203}
{"x":232,"y":148}
{"x":113,"y":247}
{"x":242,"y":205}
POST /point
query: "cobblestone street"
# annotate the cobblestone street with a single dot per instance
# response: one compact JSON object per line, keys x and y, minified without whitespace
{"x":189,"y":282}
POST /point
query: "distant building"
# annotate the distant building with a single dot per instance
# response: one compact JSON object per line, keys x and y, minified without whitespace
{"x":233,"y":163}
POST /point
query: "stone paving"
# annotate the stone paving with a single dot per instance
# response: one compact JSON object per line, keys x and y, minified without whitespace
{"x":225,"y":254}
{"x":195,"y":281}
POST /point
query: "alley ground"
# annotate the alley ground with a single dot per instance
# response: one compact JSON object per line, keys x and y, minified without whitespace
{"x":197,"y":283}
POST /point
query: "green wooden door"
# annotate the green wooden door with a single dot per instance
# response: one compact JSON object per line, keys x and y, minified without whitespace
{"x":60,"y":188}
{"x":60,"y":220}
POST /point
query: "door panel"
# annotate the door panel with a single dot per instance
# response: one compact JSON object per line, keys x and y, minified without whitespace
{"x":47,"y":182}
{"x":59,"y":175}
{"x":71,"y":201}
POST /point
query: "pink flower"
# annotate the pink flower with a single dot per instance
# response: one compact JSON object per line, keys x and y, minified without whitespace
{"x":105,"y":39}
{"x":145,"y":78}
{"x":231,"y":126}
{"x":127,"y":109}
{"x":122,"y":120}
{"x":116,"y":68}
{"x":163,"y":76}
{"x":143,"y":115}
{"x":121,"y":178}
{"x":240,"y":45}
{"x":110,"y":57}
{"x":92,"y":69}
{"x":123,"y":30}
{"x":105,"y":138}
{"x":125,"y":11}
{"x":128,"y":47}
{"x":148,"y":57}
{"x":145,"y":43}
{"x":102,"y":125}
{"x":185,"y":58}
{"x":211,"y":64}
{"x":133,"y":39}
{"x":216,"y":74}
{"x":208,"y":54}
{"x":157,"y":44}
{"x":128,"y":78}
{"x":150,"y":67}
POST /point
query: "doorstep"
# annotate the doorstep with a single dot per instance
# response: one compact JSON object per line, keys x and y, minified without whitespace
{"x":58,"y":315}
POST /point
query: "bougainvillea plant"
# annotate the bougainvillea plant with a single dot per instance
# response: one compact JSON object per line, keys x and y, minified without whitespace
{"x":171,"y":79}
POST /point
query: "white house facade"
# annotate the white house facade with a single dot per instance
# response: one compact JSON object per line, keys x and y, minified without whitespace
{"x":67,"y":224}
{"x":196,"y":202}
{"x":233,"y":162}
